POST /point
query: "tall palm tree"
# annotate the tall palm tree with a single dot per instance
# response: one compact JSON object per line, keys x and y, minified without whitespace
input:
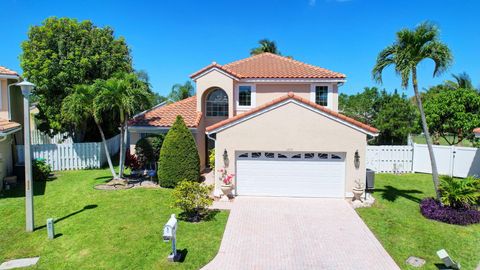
{"x":79,"y":106}
{"x":125,"y":94}
{"x":409,"y":49}
{"x":462,"y":80}
{"x":265,"y":46}
{"x":181,"y":91}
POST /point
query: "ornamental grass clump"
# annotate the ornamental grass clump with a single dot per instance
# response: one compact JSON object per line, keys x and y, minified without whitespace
{"x":459,"y":202}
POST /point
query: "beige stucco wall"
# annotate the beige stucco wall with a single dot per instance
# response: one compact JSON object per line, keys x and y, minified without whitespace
{"x":210,"y":80}
{"x":293,"y":128}
{"x":4,"y":99}
{"x":267,"y":92}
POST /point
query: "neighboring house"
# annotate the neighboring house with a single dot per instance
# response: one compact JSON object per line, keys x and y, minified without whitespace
{"x":11,"y":112}
{"x":274,"y":123}
{"x":477,"y":132}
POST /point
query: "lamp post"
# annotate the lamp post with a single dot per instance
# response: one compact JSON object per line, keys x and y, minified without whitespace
{"x":26,"y":88}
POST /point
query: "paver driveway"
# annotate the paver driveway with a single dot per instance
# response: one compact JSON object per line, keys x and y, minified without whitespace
{"x":298,"y":233}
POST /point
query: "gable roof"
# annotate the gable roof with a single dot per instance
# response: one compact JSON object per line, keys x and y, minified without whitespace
{"x":6,"y":71}
{"x":291,"y":96}
{"x":269,"y":65}
{"x":164,"y":116}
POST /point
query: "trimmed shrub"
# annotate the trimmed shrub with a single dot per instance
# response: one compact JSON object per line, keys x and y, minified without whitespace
{"x":211,"y":159}
{"x":179,"y":158}
{"x":432,"y":209}
{"x":459,"y":193}
{"x":193,"y":199}
{"x":147,"y":149}
{"x":40,"y":170}
{"x":131,"y":161}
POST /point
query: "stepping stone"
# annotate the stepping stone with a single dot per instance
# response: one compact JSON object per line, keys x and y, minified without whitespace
{"x":415,"y":261}
{"x":19,"y":263}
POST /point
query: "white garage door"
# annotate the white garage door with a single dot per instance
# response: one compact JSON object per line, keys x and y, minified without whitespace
{"x":291,"y":174}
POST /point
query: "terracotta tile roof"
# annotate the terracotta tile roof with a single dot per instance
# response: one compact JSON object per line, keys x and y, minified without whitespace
{"x":6,"y":125}
{"x":476,"y":130}
{"x":6,"y":71}
{"x":268,"y":65}
{"x":291,"y":95}
{"x":165,"y":116}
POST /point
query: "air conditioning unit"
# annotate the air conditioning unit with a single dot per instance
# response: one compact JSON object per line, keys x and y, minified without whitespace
{"x":370,"y":181}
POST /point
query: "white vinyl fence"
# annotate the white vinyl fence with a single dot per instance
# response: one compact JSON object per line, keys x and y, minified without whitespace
{"x":72,"y":156}
{"x":39,"y":137}
{"x":451,"y":160}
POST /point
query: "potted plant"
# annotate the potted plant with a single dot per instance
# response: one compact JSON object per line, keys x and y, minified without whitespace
{"x":226,"y":182}
{"x":358,"y":190}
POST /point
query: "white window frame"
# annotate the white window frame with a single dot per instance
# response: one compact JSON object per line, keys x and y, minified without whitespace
{"x":253,"y":96}
{"x":329,"y":93}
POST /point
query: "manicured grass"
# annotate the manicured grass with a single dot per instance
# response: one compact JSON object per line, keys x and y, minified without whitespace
{"x":420,"y":139}
{"x":103,"y":229}
{"x":397,"y":222}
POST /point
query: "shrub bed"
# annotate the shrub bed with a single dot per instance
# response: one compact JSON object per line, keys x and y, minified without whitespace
{"x":41,"y":170}
{"x":432,"y":209}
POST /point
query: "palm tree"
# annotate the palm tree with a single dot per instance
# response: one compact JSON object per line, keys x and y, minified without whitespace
{"x":181,"y":91}
{"x":79,"y":106}
{"x":125,"y":94}
{"x":462,"y":80}
{"x":409,"y":49}
{"x":265,"y":46}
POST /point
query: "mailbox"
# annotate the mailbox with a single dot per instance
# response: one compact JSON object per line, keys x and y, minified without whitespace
{"x":170,"y":234}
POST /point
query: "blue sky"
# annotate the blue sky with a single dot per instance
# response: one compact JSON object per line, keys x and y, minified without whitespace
{"x":172,"y":39}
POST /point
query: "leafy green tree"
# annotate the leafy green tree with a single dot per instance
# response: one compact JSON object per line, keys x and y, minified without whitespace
{"x":396,"y":118}
{"x":453,"y":113}
{"x":361,"y":106}
{"x":179,"y":158}
{"x":61,"y":53}
{"x":265,"y":45}
{"x":124,"y":94}
{"x":410,"y":48}
{"x":181,"y":91}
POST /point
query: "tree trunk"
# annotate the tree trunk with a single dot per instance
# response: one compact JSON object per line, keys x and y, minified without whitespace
{"x":121,"y":154}
{"x":109,"y":159}
{"x":123,"y":146}
{"x":427,"y":134}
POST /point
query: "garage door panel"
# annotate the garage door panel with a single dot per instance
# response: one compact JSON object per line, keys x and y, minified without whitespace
{"x":286,"y":177}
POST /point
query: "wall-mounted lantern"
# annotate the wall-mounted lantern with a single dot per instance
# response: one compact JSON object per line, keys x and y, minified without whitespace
{"x":356,"y":159}
{"x":225,"y":158}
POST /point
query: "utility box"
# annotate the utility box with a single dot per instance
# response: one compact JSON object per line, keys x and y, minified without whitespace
{"x":370,"y":181}
{"x":50,"y":228}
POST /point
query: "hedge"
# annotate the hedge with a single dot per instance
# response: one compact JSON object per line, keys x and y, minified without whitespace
{"x":179,"y":157}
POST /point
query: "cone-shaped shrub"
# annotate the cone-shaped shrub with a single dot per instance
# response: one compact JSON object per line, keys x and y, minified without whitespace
{"x":179,"y":158}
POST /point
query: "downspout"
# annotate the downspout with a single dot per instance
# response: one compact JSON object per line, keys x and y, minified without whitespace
{"x":8,"y":99}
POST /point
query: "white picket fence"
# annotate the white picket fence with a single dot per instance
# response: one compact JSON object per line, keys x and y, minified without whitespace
{"x":451,"y":160}
{"x":72,"y":156}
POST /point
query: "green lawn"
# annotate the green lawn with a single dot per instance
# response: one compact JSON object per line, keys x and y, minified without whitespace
{"x":420,"y":139}
{"x":103,"y":229}
{"x":397,"y":222}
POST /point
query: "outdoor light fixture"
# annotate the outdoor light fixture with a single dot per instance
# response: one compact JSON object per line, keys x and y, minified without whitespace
{"x":356,"y":159}
{"x":27,"y":88}
{"x":225,"y":158}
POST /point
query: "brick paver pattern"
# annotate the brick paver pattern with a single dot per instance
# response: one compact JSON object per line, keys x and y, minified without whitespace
{"x":298,"y":233}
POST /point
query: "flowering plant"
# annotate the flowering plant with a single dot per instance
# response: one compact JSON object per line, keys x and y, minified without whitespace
{"x":226,"y":178}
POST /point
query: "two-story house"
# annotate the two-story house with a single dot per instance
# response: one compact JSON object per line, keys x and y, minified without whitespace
{"x":274,"y":123}
{"x":11,"y":112}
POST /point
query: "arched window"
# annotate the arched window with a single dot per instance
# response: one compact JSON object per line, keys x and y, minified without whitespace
{"x":217,"y":103}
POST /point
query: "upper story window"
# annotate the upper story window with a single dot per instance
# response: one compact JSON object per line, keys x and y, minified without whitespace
{"x":321,"y":95}
{"x":217,"y":103}
{"x":245,"y":95}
